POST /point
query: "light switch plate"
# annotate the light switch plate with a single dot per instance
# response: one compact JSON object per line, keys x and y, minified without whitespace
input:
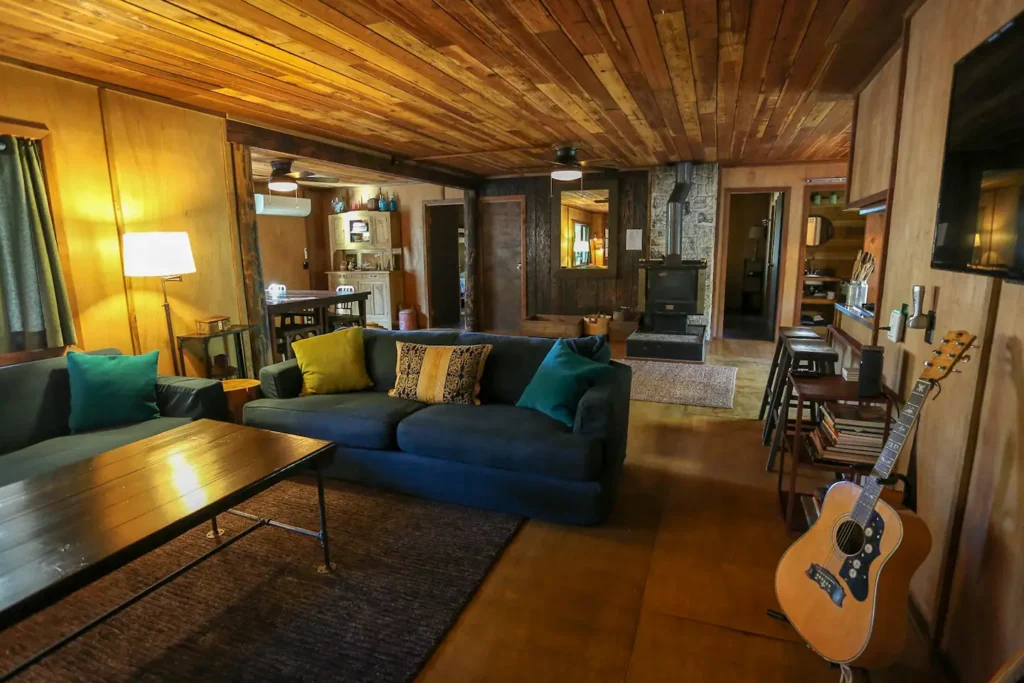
{"x":896,"y":322}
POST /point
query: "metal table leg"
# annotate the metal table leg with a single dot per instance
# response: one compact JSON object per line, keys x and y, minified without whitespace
{"x":214,"y":531}
{"x":327,"y":566}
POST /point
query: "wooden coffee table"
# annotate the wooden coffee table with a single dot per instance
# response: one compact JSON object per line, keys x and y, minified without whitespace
{"x":65,"y":529}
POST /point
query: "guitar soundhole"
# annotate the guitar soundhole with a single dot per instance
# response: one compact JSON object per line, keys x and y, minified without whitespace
{"x":850,"y":537}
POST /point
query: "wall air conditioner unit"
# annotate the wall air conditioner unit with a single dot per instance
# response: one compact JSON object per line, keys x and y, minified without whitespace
{"x":279,"y":205}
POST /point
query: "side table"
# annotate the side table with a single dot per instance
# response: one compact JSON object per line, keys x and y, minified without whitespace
{"x":819,"y":390}
{"x":235,"y":332}
{"x":239,"y":392}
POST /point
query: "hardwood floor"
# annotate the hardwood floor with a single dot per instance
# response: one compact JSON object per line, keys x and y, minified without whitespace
{"x":674,"y":587}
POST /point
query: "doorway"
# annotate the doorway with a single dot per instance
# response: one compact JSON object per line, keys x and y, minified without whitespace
{"x":502,"y":271}
{"x":444,"y":222}
{"x":754,"y":245}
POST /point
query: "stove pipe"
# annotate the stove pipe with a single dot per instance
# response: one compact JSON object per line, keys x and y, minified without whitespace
{"x":677,"y":207}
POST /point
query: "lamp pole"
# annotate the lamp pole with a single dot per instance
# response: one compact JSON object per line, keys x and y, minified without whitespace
{"x":167,"y":314}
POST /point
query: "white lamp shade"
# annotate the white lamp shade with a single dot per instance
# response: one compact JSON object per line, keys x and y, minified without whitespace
{"x":581,"y":245}
{"x":157,"y":254}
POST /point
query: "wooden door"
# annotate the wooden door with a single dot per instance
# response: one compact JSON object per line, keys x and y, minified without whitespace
{"x":501,"y":265}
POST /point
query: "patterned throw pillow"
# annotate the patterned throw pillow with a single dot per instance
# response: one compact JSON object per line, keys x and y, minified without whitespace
{"x":440,"y":374}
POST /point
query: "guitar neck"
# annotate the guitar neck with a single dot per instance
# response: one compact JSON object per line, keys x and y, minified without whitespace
{"x":898,"y":436}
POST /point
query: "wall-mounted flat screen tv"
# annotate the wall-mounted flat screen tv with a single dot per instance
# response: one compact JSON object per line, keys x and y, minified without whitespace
{"x":979,"y":227}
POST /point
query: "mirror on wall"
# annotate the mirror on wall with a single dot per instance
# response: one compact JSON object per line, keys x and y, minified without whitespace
{"x":584,"y":227}
{"x":819,"y":230}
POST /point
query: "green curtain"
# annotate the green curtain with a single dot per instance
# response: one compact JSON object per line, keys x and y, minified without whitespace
{"x":34,"y":308}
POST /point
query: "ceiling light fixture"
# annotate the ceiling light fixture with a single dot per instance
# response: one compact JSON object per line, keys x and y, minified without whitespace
{"x":566,"y":174}
{"x":282,"y":185}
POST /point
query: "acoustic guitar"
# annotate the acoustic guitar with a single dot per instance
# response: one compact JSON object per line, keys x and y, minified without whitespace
{"x":844,"y":585}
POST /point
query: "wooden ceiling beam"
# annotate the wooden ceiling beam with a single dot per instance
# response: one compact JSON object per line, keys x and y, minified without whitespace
{"x":264,"y":138}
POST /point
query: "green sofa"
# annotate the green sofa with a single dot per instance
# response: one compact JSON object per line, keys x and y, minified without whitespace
{"x":35,"y":403}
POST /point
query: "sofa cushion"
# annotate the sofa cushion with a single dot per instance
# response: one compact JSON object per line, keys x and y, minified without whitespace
{"x":381,"y":351}
{"x":363,"y":419}
{"x":431,"y":373}
{"x":111,"y":390}
{"x":50,"y":454}
{"x":513,"y":360}
{"x":560,"y":382}
{"x":332,"y":363}
{"x":502,"y":437}
{"x":35,"y":401}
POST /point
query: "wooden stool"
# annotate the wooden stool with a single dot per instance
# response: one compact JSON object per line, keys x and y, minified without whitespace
{"x":798,"y":355}
{"x":784,"y":334}
{"x":239,"y":392}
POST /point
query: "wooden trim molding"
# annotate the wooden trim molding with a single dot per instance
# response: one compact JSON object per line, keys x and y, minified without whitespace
{"x":249,"y":249}
{"x":265,"y":138}
{"x":470,"y":201}
{"x":23,"y":129}
{"x":611,"y":249}
{"x":871,"y":200}
{"x":427,"y":203}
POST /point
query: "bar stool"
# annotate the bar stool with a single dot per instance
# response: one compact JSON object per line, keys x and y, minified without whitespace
{"x":784,"y":334}
{"x":797,"y":354}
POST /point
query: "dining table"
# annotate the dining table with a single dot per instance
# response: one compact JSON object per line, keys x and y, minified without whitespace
{"x":314,"y":302}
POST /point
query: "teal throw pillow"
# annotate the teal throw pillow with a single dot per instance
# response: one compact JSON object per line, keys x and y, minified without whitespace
{"x":111,"y":390}
{"x":560,"y":382}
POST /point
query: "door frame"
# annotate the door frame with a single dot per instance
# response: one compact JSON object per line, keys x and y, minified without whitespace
{"x":521,"y":199}
{"x":427,"y":203}
{"x":722,"y":253}
{"x":806,"y":209}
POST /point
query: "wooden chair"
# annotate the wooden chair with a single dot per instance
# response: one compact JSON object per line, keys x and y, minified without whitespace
{"x":342,"y":314}
{"x":295,"y":326}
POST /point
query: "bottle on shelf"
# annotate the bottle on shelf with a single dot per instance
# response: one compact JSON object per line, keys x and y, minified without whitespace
{"x":393,"y":203}
{"x":382,"y":204}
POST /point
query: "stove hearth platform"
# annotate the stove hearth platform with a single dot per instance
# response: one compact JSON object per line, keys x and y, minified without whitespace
{"x":688,"y":346}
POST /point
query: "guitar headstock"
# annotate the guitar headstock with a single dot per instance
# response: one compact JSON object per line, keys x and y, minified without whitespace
{"x":953,"y":348}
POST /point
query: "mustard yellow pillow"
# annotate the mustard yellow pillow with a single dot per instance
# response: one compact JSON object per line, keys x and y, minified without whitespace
{"x":332,"y":363}
{"x":440,"y":374}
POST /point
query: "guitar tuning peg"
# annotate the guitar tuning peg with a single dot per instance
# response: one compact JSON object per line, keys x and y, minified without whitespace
{"x":928,"y":364}
{"x":966,"y":359}
{"x":957,"y":372}
{"x":943,"y":341}
{"x":936,"y":352}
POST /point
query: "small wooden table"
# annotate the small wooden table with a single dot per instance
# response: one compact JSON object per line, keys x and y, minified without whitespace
{"x":818,"y":390}
{"x":64,"y":529}
{"x":239,"y":392}
{"x":235,"y":331}
{"x":296,"y":301}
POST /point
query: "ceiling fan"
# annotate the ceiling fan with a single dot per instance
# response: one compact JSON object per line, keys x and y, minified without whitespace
{"x":568,"y":165}
{"x":282,"y":177}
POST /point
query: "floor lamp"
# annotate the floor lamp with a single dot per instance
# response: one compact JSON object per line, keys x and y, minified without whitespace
{"x":166,"y":255}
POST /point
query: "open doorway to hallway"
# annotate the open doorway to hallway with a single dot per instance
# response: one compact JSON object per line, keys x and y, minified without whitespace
{"x":444,"y":222}
{"x":754,"y":240}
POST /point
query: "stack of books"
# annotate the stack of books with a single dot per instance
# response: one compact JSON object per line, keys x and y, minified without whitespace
{"x":849,"y":434}
{"x":852,"y":373}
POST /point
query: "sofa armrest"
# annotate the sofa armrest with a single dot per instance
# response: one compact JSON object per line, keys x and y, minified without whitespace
{"x":191,"y":397}
{"x":603,"y":412}
{"x":281,"y":380}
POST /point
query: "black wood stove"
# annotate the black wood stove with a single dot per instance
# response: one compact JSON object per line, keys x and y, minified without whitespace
{"x":673,"y":291}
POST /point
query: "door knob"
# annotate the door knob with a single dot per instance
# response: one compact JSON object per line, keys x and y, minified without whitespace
{"x":519,"y":266}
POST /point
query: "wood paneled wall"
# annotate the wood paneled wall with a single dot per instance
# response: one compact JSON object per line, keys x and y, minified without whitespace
{"x":81,"y":197}
{"x":283,"y":238}
{"x":549,"y":294}
{"x":871,"y":165}
{"x":986,"y":614}
{"x":119,"y":162}
{"x":793,"y":178}
{"x":940,"y":33}
{"x":171,"y":172}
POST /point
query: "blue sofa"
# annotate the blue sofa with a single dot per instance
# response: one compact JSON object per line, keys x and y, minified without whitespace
{"x":494,"y":455}
{"x":35,"y":403}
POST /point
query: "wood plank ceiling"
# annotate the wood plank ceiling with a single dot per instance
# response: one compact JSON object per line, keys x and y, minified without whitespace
{"x":489,"y":86}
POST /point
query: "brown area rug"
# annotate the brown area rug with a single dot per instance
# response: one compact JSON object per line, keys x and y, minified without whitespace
{"x":687,"y":384}
{"x":258,"y":611}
